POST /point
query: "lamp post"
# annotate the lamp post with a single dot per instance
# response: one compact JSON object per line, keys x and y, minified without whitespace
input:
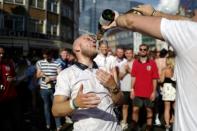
{"x":93,"y":21}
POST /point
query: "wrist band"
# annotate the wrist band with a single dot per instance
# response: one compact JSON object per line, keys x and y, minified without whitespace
{"x":71,"y":104}
{"x":74,"y":104}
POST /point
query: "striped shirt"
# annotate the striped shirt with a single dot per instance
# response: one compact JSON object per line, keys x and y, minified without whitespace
{"x":50,"y":69}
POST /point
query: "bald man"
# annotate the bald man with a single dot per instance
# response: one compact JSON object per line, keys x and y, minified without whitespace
{"x":86,"y":93}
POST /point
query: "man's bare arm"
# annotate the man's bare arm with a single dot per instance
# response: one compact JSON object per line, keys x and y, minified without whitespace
{"x":143,"y":24}
{"x":61,"y":106}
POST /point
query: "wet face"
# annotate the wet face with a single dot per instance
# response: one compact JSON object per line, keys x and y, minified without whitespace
{"x":88,"y":46}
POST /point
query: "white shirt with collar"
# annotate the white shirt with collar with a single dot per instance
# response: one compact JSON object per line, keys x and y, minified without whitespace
{"x":101,"y":118}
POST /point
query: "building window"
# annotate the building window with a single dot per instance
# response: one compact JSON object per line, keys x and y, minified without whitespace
{"x":14,"y":23}
{"x":54,"y":30}
{"x":48,"y":28}
{"x":8,"y":23}
{"x":18,"y":23}
{"x":1,"y":21}
{"x":52,"y":6}
{"x":40,"y":4}
{"x":40,"y":26}
{"x":55,"y":7}
{"x":33,"y":3}
{"x":15,"y":1}
{"x":19,"y":1}
{"x":11,"y":1}
{"x":51,"y":29}
{"x":36,"y":26}
{"x":67,"y":32}
{"x":67,"y":11}
{"x":37,"y":3}
{"x":32,"y":27}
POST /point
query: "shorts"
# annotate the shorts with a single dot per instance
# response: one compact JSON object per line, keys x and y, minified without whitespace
{"x":127,"y":99}
{"x":168,"y":92}
{"x":140,"y":102}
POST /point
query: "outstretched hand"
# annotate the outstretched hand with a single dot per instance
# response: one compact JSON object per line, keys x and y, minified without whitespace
{"x":88,"y":100}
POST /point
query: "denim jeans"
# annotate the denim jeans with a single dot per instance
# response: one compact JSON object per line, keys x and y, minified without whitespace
{"x":47,"y":97}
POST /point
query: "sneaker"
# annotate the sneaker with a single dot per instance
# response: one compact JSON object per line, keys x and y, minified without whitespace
{"x":124,"y":126}
{"x":157,"y":122}
{"x":59,"y":128}
{"x":168,"y":127}
{"x":68,"y":120}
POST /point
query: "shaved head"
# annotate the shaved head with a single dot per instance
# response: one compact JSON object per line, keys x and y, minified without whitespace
{"x":77,"y":43}
{"x":84,"y":45}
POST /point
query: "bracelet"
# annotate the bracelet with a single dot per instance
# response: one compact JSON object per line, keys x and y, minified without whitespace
{"x":74,"y":104}
{"x":153,"y":13}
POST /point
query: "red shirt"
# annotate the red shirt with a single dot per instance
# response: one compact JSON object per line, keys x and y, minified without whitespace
{"x":144,"y":74}
{"x":7,"y":71}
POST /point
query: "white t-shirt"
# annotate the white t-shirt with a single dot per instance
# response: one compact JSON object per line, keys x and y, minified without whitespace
{"x":105,"y":62}
{"x":120,"y":63}
{"x":101,"y":118}
{"x":125,"y":83}
{"x":182,"y":35}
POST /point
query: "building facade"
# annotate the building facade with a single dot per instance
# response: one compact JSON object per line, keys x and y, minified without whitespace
{"x":29,"y":24}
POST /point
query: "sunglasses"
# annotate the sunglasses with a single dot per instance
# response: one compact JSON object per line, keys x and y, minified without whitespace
{"x":143,"y":49}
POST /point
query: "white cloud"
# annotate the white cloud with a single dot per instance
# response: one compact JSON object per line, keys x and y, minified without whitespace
{"x":168,"y":6}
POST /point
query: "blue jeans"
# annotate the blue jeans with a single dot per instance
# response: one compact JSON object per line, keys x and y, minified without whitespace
{"x":47,"y":97}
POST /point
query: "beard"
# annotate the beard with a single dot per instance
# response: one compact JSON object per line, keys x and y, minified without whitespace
{"x":89,"y":53}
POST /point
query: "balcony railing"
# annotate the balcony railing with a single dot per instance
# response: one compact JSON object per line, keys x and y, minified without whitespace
{"x":35,"y":35}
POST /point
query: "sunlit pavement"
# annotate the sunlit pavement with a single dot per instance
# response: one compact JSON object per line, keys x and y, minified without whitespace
{"x":68,"y":127}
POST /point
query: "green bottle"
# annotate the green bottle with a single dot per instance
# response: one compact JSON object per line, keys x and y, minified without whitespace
{"x":107,"y":17}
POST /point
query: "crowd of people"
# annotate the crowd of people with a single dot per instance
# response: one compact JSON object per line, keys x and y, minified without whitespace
{"x":104,"y":90}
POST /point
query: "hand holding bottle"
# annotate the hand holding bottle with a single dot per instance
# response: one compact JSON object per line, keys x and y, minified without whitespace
{"x":107,"y":19}
{"x":146,"y":10}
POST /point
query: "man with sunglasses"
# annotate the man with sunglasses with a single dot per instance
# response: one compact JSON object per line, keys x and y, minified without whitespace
{"x":87,"y":93}
{"x":182,"y":35}
{"x":143,"y":87}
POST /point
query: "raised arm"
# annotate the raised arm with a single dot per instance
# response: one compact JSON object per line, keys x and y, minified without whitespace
{"x":144,"y":24}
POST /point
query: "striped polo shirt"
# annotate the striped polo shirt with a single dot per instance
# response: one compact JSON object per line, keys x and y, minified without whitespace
{"x":49,"y":69}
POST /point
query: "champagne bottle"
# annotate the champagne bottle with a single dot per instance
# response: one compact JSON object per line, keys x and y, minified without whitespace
{"x":107,"y":17}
